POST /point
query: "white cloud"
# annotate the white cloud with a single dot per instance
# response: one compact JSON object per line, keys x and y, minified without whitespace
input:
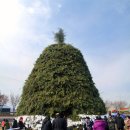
{"x":9,"y":18}
{"x":111,"y":75}
{"x":16,"y":63}
{"x":17,"y":49}
{"x":39,"y":8}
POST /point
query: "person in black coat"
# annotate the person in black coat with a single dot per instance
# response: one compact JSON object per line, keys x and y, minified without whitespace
{"x":15,"y":124}
{"x":59,"y":123}
{"x":119,"y":122}
{"x":46,"y":124}
{"x":21,"y":124}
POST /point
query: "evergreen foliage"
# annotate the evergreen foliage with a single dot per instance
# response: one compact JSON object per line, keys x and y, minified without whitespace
{"x":60,"y":82}
{"x":60,"y":36}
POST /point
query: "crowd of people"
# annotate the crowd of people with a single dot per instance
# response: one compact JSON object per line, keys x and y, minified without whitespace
{"x":60,"y":123}
{"x":5,"y":124}
{"x":107,"y":123}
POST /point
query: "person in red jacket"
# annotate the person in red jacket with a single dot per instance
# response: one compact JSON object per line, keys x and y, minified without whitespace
{"x":3,"y":124}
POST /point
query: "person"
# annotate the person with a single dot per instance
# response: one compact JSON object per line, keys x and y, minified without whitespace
{"x":7,"y":125}
{"x":21,"y":124}
{"x":15,"y":124}
{"x":99,"y":124}
{"x":83,"y":123}
{"x":88,"y":123}
{"x":46,"y":124}
{"x":111,"y":123}
{"x":119,"y":122}
{"x":106,"y":120}
{"x":3,"y":124}
{"x":127,"y":123}
{"x":59,"y":123}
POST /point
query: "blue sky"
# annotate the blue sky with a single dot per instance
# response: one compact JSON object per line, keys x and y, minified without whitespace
{"x":100,"y":29}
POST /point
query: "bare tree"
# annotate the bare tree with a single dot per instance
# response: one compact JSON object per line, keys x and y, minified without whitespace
{"x":3,"y":100}
{"x":119,"y":104}
{"x":108,"y":104}
{"x":14,"y":100}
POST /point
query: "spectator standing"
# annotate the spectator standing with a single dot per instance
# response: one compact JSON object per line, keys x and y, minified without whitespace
{"x":106,"y":120}
{"x":7,"y":125}
{"x":21,"y":124}
{"x":59,"y":123}
{"x":46,"y":124}
{"x":15,"y":124}
{"x":127,"y":123}
{"x":99,"y":124}
{"x":111,"y":123}
{"x":3,"y":124}
{"x":83,"y":123}
{"x":88,"y":123}
{"x":119,"y":122}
